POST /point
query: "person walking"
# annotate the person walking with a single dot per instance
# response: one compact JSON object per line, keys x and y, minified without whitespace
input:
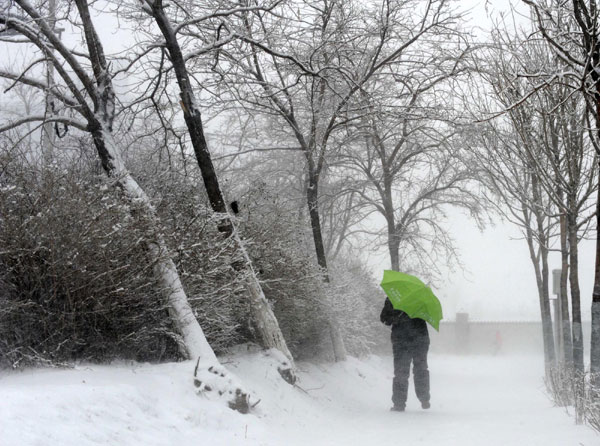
{"x":410,"y":343}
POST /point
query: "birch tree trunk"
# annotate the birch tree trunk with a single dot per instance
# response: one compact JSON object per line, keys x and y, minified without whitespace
{"x":100,"y":127}
{"x":264,"y":320}
{"x":195,"y":343}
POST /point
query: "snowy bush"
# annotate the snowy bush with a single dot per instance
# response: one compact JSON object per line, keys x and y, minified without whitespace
{"x":292,"y":281}
{"x":356,"y":301}
{"x":578,"y":393}
{"x":288,"y":275}
{"x":76,"y":282}
{"x":592,"y":407}
{"x":205,"y":260}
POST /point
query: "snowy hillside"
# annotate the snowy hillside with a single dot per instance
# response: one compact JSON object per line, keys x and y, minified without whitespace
{"x":475,"y":401}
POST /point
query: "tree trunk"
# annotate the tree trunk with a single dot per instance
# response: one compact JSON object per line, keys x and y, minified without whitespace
{"x":394,"y":249}
{"x":195,"y":343}
{"x":545,"y":305}
{"x":337,"y":341}
{"x":567,"y":359}
{"x":575,"y":292}
{"x":392,"y":233}
{"x":547,"y":337}
{"x":264,"y":320}
{"x":48,"y":135}
{"x":595,"y":341}
{"x":262,"y":314}
{"x":312,"y":199}
{"x":544,"y":297}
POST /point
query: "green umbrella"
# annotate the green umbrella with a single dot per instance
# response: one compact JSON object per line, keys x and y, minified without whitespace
{"x":409,"y":294}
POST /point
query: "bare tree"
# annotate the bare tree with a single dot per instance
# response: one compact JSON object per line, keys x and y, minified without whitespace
{"x":511,"y":176}
{"x":571,"y":30}
{"x":305,"y":65}
{"x":405,"y":149}
{"x":513,"y":162}
{"x":544,"y":123}
{"x":263,"y":317}
{"x":89,"y":103}
{"x":570,"y":185}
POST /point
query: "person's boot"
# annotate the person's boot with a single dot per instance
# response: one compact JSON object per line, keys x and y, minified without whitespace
{"x":425,"y":404}
{"x":397,"y":408}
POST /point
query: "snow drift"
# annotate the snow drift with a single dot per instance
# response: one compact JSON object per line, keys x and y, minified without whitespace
{"x":475,"y":400}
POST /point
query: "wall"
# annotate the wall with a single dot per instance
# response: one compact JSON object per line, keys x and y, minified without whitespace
{"x":492,"y":337}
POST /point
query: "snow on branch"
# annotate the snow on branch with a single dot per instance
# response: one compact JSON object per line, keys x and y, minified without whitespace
{"x":41,"y":85}
{"x":41,"y":118}
{"x":226,"y":13}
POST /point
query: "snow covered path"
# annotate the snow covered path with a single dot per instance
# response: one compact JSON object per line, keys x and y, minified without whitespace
{"x":475,"y":401}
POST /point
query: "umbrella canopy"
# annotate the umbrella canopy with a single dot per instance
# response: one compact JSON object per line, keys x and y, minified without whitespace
{"x":407,"y":293}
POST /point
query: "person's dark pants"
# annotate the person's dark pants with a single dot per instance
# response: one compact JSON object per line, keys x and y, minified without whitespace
{"x":404,"y":354}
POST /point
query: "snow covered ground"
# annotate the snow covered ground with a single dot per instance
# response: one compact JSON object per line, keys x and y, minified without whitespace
{"x":475,"y":401}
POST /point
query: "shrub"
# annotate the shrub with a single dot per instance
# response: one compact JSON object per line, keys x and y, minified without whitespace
{"x":76,"y":282}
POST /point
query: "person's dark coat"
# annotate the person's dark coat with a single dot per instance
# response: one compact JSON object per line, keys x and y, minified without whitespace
{"x":405,"y":330}
{"x":410,"y":343}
